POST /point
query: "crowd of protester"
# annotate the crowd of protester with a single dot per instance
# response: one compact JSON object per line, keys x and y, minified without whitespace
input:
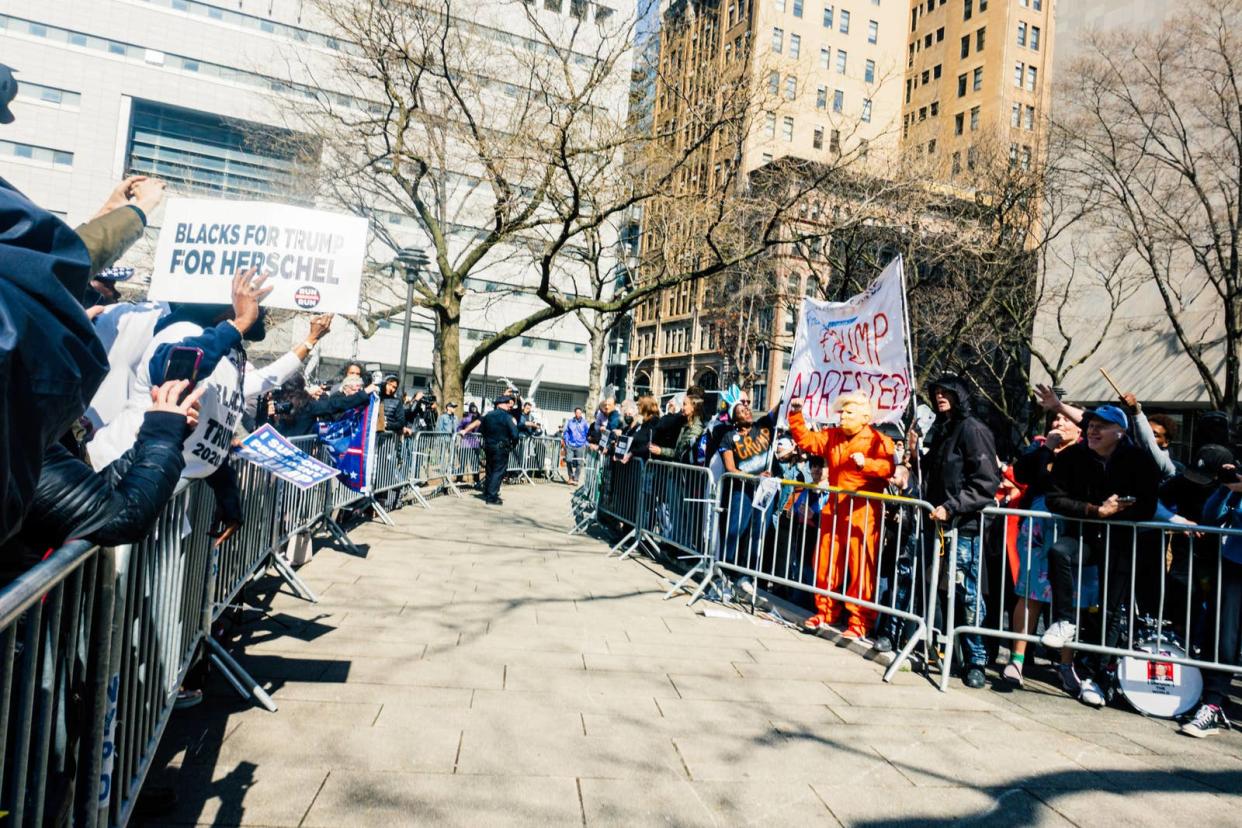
{"x":1090,"y":468}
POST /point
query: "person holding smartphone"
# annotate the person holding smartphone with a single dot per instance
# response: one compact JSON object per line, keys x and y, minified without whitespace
{"x":1104,"y":478}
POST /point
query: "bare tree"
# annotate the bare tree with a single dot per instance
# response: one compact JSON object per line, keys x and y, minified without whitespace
{"x":1155,"y":121}
{"x":506,"y":149}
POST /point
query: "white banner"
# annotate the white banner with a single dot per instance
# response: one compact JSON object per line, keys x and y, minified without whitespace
{"x":857,"y":345}
{"x":314,"y":258}
{"x":266,"y":448}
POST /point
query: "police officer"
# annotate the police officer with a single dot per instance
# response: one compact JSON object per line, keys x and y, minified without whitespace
{"x":499,"y":432}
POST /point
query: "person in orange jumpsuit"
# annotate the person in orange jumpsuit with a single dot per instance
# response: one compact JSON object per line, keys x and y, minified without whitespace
{"x":860,"y":459}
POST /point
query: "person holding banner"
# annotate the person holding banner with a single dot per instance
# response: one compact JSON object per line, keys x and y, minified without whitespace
{"x":859,"y":458}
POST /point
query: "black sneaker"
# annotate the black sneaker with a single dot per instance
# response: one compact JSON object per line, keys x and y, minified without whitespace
{"x":883,"y":644}
{"x":1207,"y":721}
{"x":974,"y":677}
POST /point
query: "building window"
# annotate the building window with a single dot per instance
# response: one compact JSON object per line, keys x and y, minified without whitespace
{"x":838,"y":100}
{"x":940,"y":34}
{"x":1030,"y":117}
{"x":922,"y":113}
{"x":983,"y":5}
{"x":795,"y":45}
{"x":827,"y":17}
{"x":931,"y":147}
{"x":1035,"y":38}
{"x":1013,"y":155}
{"x":866,"y":110}
{"x":1021,"y":33}
{"x":1015,"y":117}
{"x":1032,"y":76}
{"x":927,"y":41}
{"x":578,"y":9}
{"x":770,"y":125}
{"x":780,"y":6}
{"x":974,"y":119}
{"x":778,"y":40}
{"x":834,"y":141}
{"x":961,"y":86}
{"x":971,"y":157}
{"x":797,"y":8}
{"x":845,"y":22}
{"x":926,"y":76}
{"x":821,"y":98}
{"x":967,"y":9}
{"x":936,"y":71}
{"x":787,"y":126}
{"x":41,"y":155}
{"x":869,"y":71}
{"x":957,"y":162}
{"x":841,"y":60}
{"x":774,"y":83}
{"x":197,"y":152}
{"x":1019,"y":69}
{"x":980,"y":36}
{"x":978,"y":79}
{"x":873,"y":31}
{"x":825,"y":57}
{"x":965,"y":46}
{"x":767,"y":158}
{"x":817,"y":140}
{"x":908,"y":90}
{"x":47,"y":94}
{"x":959,"y":123}
{"x":791,"y":88}
{"x":934,"y":109}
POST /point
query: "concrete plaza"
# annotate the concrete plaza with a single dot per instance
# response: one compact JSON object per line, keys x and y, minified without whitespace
{"x":477,"y":666}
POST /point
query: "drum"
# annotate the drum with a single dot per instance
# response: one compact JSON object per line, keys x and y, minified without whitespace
{"x":1159,"y":688}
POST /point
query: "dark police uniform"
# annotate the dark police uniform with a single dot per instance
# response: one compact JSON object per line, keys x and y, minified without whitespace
{"x":499,"y":433}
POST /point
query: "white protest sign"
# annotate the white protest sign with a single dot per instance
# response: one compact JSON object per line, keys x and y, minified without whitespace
{"x":314,"y":257}
{"x":859,"y":345}
{"x":266,"y":448}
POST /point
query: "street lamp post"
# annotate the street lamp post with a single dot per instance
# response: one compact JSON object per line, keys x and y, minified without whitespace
{"x":411,"y":261}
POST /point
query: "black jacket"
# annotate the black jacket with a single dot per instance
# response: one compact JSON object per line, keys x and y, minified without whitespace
{"x":960,"y":471}
{"x":498,"y":430}
{"x":1082,"y":480}
{"x":51,"y":362}
{"x":305,"y":420}
{"x":117,"y":505}
{"x":394,"y":413}
{"x":1031,"y":469}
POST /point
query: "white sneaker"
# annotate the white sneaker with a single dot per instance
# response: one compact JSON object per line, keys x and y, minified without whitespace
{"x":1058,"y":635}
{"x":1090,"y":694}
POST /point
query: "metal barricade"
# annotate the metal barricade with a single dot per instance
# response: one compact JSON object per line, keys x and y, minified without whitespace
{"x":543,"y":457}
{"x":56,"y":630}
{"x":391,"y":463}
{"x":621,"y":497}
{"x":519,"y":460}
{"x":434,"y":458}
{"x":833,"y":544}
{"x":1146,"y":591}
{"x":466,"y":452}
{"x":584,"y":502}
{"x":163,"y":612}
{"x":679,"y":514}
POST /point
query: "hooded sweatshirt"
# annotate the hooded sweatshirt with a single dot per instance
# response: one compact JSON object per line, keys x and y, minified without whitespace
{"x":960,"y":468}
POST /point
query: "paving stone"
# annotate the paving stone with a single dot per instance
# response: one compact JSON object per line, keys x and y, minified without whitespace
{"x":947,"y":806}
{"x":242,"y":793}
{"x":390,"y":799}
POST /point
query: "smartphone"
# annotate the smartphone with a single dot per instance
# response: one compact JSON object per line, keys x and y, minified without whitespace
{"x":1126,"y":500}
{"x":183,"y":364}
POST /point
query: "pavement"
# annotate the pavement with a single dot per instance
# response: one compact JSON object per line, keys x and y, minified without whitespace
{"x":475,"y":665}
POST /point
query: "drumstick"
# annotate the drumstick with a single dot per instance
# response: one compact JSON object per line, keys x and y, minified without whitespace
{"x":1120,"y":394}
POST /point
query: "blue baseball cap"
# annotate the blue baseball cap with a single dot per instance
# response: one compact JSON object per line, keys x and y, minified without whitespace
{"x":1109,"y":414}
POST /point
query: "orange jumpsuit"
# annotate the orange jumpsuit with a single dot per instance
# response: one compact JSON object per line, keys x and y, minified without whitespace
{"x":848,"y":523}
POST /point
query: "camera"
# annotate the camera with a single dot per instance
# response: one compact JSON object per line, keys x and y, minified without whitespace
{"x":283,"y":407}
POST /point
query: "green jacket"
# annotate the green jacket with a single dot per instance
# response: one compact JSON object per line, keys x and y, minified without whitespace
{"x":110,"y":235}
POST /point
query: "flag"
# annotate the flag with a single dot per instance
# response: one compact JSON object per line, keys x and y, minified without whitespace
{"x":350,"y":440}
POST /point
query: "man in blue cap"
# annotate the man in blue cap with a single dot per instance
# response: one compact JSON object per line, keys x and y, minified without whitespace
{"x":500,"y":434}
{"x":1106,"y":477}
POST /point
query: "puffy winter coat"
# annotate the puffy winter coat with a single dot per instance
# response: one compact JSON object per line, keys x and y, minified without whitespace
{"x":960,"y":470}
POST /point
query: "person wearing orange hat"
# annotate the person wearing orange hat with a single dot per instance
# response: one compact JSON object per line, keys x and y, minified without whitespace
{"x":859,"y":458}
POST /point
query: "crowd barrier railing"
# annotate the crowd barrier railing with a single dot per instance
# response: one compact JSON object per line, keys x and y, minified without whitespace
{"x":1148,"y":591}
{"x":833,"y":544}
{"x":543,"y":457}
{"x":680,"y":515}
{"x":56,"y":632}
{"x":584,"y":502}
{"x":95,"y":643}
{"x":622,"y":498}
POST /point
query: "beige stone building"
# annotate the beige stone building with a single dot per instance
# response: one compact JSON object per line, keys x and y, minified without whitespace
{"x":820,"y":79}
{"x":978,"y":78}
